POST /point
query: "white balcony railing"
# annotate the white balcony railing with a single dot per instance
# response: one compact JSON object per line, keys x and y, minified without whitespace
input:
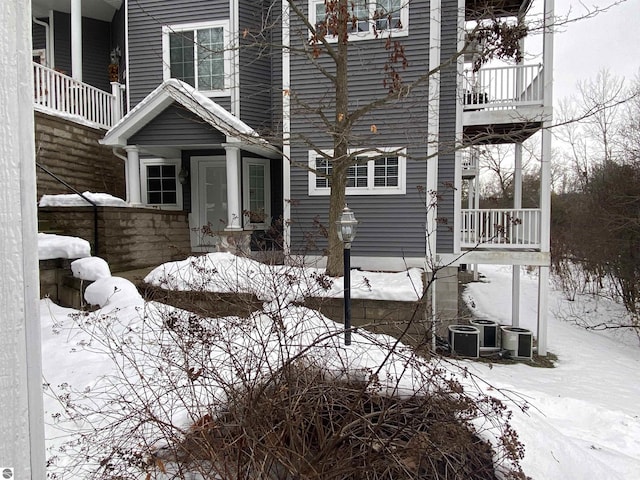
{"x":501,"y":228}
{"x":470,"y":160}
{"x":63,"y":94}
{"x":503,"y":87}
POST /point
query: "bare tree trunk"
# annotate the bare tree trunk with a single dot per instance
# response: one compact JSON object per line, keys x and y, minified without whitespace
{"x":342,"y":128}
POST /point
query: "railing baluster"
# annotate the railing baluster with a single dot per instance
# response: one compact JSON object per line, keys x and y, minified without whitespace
{"x":59,"y":92}
{"x":500,"y":228}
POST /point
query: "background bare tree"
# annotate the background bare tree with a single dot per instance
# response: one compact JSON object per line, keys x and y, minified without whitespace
{"x":595,"y":226}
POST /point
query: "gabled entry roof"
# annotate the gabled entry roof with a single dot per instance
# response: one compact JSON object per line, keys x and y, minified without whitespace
{"x":173,"y":90}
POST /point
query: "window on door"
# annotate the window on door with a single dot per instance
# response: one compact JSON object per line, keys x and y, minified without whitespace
{"x":256,"y":194}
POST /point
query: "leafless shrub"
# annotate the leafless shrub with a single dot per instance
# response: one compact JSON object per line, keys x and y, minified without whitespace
{"x":271,"y":394}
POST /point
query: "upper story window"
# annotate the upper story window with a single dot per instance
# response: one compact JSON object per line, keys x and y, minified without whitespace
{"x":198,"y":55}
{"x":370,"y":18}
{"x":380,"y":172}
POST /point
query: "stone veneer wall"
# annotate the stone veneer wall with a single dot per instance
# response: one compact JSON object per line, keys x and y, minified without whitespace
{"x":381,"y":316}
{"x":128,"y":238}
{"x":72,"y":152}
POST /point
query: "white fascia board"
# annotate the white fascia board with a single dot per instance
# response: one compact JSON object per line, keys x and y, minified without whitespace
{"x":173,"y":90}
{"x":488,"y":257}
{"x":137,"y":118}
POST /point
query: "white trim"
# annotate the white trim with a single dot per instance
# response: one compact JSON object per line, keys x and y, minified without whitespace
{"x":494,"y":257}
{"x":126,"y":54}
{"x":433,"y":128}
{"x":174,"y":90}
{"x":286,"y":129}
{"x":76,"y":40}
{"x":227,"y":54}
{"x":457,"y":192}
{"x":149,"y":162}
{"x":371,"y":33}
{"x":246,"y":163}
{"x":370,"y":189}
{"x":234,"y":47}
{"x":42,"y":54}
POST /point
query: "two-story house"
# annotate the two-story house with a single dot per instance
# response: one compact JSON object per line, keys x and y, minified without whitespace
{"x":226,"y":119}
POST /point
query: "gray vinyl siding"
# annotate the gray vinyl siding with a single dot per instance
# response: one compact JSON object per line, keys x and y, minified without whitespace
{"x":39,"y":35}
{"x":62,"y":41}
{"x":176,"y":126}
{"x":96,"y":46}
{"x":255,"y":65}
{"x":391,"y":225}
{"x":446,"y":152}
{"x":118,"y":40}
{"x":275,"y":37}
{"x":96,"y":39}
{"x":146,"y":18}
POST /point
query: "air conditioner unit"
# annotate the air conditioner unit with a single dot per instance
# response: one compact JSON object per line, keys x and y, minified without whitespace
{"x":518,"y":342}
{"x":489,"y":331}
{"x":464,"y":340}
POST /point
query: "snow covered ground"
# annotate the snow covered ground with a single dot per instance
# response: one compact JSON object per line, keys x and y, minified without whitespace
{"x":584,"y":415}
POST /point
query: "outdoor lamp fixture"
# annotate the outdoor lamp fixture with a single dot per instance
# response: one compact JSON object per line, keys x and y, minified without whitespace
{"x":183,"y":176}
{"x":347,"y":226}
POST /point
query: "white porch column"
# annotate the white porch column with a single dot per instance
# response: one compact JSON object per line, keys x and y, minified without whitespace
{"x":134,"y":196}
{"x":76,"y":39}
{"x":433,"y":119}
{"x":517,"y":204}
{"x":234,"y":212}
{"x":22,"y":418}
{"x":543,"y":307}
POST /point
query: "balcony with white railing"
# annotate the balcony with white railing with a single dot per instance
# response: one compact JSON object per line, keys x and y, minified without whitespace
{"x":495,"y":8}
{"x":62,"y":94}
{"x":503,"y":100}
{"x":501,"y":229}
{"x":470,"y":162}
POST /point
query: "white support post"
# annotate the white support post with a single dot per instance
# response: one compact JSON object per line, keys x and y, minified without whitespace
{"x":433,"y":114}
{"x":116,"y":91}
{"x":517,"y":204}
{"x":543,"y":307}
{"x":134,"y":196}
{"x":76,"y":39}
{"x":545,"y":177}
{"x":515,"y":296}
{"x":234,"y":211}
{"x":22,"y":445}
{"x":286,"y":130}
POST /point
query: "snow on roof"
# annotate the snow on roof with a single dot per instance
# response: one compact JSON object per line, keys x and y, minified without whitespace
{"x":75,"y":200}
{"x":59,"y":246}
{"x":174,"y":90}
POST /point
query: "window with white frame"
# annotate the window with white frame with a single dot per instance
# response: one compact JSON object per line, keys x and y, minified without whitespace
{"x":256,"y":196}
{"x":370,"y":18}
{"x":379,"y":172}
{"x":198,"y":55}
{"x":160,"y":183}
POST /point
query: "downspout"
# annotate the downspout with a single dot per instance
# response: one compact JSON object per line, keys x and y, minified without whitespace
{"x":47,"y":40}
{"x":122,"y":157}
{"x":433,"y":129}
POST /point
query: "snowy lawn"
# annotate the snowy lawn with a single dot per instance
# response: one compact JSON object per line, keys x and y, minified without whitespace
{"x":584,"y":419}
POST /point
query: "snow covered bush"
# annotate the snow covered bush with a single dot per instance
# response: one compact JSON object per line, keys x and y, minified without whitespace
{"x":273,"y":395}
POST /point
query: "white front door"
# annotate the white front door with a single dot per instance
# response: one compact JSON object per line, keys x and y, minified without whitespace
{"x":209,"y":200}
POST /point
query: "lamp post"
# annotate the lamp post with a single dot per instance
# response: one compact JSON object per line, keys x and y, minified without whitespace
{"x":347,"y":226}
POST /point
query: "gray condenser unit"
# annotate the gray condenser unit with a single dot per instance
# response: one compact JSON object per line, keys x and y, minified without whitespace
{"x":489,"y":333}
{"x":464,"y":340}
{"x":518,"y":342}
